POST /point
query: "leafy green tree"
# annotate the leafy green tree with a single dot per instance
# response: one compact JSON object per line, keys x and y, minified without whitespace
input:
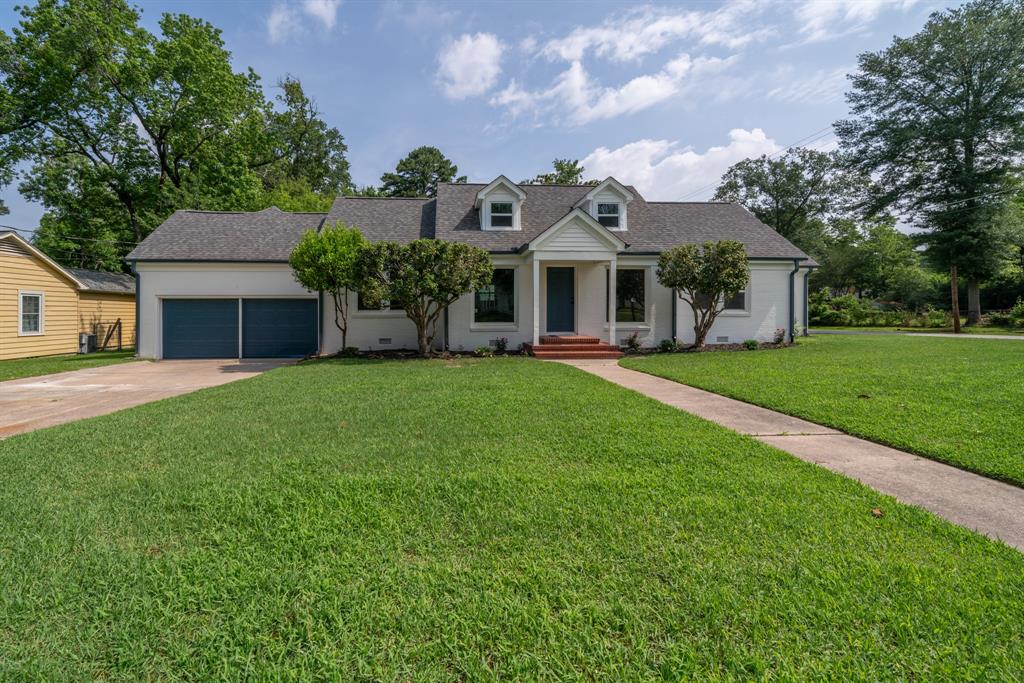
{"x":302,"y":147}
{"x":566,"y":172}
{"x":938,"y":118}
{"x":704,"y":276}
{"x":868,"y":258}
{"x":796,"y":193}
{"x":296,"y":195}
{"x":425,"y":277}
{"x":124,"y":126}
{"x":418,"y":174}
{"x":326,"y":261}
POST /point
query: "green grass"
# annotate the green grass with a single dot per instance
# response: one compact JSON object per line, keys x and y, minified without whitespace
{"x":471,"y":520}
{"x":955,"y":400}
{"x":988,"y":329}
{"x":46,"y":365}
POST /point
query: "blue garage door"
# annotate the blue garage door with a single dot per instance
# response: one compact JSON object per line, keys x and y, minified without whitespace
{"x":279,"y":328}
{"x":200,"y":328}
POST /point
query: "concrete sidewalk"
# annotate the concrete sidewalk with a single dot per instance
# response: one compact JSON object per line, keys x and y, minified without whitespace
{"x":35,"y":402}
{"x":970,"y":500}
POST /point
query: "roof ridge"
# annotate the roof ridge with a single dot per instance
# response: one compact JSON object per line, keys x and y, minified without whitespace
{"x":416,"y":199}
{"x":250,"y":213}
{"x":652,"y":201}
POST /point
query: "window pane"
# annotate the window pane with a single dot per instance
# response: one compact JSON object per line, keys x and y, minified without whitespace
{"x":737,"y":302}
{"x":501,"y":221}
{"x":30,"y":313}
{"x":629,"y":296}
{"x":496,"y":302}
{"x":608,"y":221}
{"x":612,"y":209}
{"x":501,"y":207}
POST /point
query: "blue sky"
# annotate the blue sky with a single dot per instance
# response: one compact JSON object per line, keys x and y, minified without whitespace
{"x":663,"y":96}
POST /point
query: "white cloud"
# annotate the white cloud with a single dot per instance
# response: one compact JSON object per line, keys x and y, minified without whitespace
{"x":662,"y":170}
{"x":575,"y":95}
{"x":469,"y":66}
{"x":418,"y":16}
{"x":823,"y":19}
{"x":820,"y":87}
{"x":285,"y":20}
{"x":282,"y":23}
{"x":325,"y":11}
{"x":630,"y":36}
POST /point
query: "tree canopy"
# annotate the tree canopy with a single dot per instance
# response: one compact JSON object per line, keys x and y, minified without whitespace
{"x":566,"y":172}
{"x":424,"y":277}
{"x":704,"y":276}
{"x":418,"y":174}
{"x":938,"y":118}
{"x":795,"y":193}
{"x":120,"y":127}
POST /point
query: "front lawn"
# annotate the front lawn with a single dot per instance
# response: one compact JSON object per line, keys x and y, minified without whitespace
{"x":956,"y":400}
{"x":471,"y":520}
{"x":47,"y":365}
{"x":986,"y":329}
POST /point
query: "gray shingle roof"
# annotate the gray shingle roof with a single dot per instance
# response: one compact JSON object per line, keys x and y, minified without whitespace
{"x":396,"y":219}
{"x":653,"y":226}
{"x":267,"y":235}
{"x":98,"y":281}
{"x":270,"y":235}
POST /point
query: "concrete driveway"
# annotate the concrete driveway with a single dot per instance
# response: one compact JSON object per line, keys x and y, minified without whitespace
{"x":36,"y":402}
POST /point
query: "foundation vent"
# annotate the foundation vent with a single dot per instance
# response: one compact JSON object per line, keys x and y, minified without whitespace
{"x":722,"y":340}
{"x":384,"y":341}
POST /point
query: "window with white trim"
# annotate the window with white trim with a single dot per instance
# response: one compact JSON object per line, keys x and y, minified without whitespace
{"x":496,"y":302}
{"x":737,"y":302}
{"x":501,"y":214}
{"x":30,"y":313}
{"x":608,"y":215}
{"x":630,"y":295}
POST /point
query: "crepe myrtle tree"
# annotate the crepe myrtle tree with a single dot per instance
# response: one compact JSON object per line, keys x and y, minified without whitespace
{"x":424,"y":276}
{"x":704,"y":276}
{"x":326,"y":261}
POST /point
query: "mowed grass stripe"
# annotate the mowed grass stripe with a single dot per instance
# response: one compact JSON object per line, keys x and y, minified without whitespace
{"x":471,"y":519}
{"x":960,"y":401}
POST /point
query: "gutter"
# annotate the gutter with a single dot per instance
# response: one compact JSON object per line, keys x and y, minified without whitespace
{"x":675,"y":300}
{"x":792,"y":297}
{"x":320,"y":323}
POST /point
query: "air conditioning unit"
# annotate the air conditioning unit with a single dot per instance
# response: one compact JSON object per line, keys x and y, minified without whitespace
{"x":86,"y":342}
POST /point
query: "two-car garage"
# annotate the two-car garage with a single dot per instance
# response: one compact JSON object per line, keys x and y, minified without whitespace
{"x":239,"y":328}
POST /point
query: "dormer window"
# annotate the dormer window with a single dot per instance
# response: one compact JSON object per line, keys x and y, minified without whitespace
{"x":501,"y":214}
{"x":608,"y":215}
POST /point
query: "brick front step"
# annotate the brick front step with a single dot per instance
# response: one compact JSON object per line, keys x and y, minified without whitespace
{"x":575,"y":347}
{"x":569,"y":339}
{"x":568,"y":351}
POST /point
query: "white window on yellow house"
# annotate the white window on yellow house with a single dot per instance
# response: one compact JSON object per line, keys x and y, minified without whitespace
{"x":30,"y":313}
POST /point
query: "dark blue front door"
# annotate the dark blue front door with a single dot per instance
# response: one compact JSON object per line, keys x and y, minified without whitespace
{"x":561,"y":305}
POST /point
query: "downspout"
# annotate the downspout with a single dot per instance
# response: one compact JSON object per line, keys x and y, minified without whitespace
{"x":320,"y":323}
{"x":446,"y":329}
{"x":792,"y":297}
{"x":675,"y":297}
{"x":138,"y":321}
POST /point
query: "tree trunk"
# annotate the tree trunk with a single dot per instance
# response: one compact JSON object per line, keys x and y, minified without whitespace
{"x":973,"y":302}
{"x":954,"y":290}
{"x":422,"y":338}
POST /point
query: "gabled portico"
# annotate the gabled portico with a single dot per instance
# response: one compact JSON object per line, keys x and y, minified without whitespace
{"x":575,"y":239}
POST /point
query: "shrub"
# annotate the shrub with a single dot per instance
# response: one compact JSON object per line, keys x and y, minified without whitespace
{"x":780,"y":335}
{"x":632,"y":342}
{"x":501,"y":344}
{"x":349,"y":352}
{"x":668,"y":346}
{"x":1017,"y":313}
{"x":751,"y":344}
{"x":999,"y":319}
{"x":483,"y":352}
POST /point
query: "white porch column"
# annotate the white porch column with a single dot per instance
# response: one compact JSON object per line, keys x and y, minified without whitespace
{"x":611,"y":302}
{"x":535,"y":267}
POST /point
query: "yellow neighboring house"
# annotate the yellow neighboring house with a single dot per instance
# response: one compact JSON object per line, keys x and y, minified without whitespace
{"x":44,"y":306}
